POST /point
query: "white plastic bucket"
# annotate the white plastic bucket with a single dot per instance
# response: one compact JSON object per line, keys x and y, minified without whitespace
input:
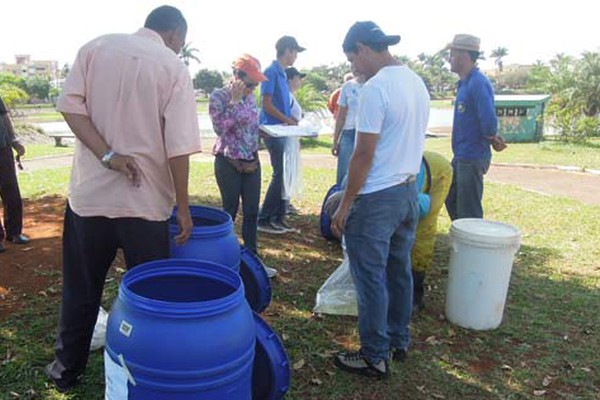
{"x":479,"y":273}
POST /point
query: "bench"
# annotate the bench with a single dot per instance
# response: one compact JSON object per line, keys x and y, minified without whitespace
{"x":58,"y":137}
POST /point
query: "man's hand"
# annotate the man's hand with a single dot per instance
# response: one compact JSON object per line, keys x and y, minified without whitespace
{"x":18,"y":148}
{"x":128,"y":167}
{"x":185,"y":223}
{"x":338,"y":221}
{"x":498,"y":143}
{"x":335,"y":149}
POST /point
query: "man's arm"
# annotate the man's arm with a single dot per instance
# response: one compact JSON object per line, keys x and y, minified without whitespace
{"x":360,"y":165}
{"x":86,"y":132}
{"x":270,"y":109}
{"x":14,"y":142}
{"x":180,"y":168}
{"x":340,"y":121}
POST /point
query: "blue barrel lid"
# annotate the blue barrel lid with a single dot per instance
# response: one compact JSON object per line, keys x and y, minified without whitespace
{"x":271,"y":372}
{"x":256,"y":282}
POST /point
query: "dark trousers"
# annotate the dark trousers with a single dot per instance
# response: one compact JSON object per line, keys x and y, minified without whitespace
{"x":89,"y":247}
{"x":466,"y":191}
{"x":234,"y":185}
{"x":273,"y":208}
{"x":10,"y":194}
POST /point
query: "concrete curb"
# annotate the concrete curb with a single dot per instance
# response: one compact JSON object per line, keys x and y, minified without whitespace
{"x":565,"y":168}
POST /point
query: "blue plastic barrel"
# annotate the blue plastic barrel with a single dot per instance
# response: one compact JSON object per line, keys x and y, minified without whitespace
{"x":180,"y":330}
{"x":212,"y":239}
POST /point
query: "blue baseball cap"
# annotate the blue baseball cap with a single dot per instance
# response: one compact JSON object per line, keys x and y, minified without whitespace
{"x":367,"y":32}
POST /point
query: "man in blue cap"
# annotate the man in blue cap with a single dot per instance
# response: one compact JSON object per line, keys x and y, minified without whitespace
{"x":379,"y":212}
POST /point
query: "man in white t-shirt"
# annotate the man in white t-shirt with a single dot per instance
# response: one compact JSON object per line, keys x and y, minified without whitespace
{"x":379,"y":212}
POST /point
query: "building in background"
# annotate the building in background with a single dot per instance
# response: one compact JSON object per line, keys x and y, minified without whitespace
{"x":25,"y":67}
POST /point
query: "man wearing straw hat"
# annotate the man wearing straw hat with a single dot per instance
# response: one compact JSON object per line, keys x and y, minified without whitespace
{"x":473,"y":131}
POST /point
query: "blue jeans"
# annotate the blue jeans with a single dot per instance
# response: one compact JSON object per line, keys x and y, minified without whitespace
{"x":379,"y":234}
{"x":344,"y":154}
{"x":273,"y":208}
{"x":466,"y":192}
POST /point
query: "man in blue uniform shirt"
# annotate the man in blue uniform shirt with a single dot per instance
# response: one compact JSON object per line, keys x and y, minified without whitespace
{"x":473,"y":131}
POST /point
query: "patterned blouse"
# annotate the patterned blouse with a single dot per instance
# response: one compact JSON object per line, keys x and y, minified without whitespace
{"x":236,"y":125}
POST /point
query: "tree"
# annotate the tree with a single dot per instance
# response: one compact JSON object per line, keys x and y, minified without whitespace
{"x":499,"y":53}
{"x":12,"y":90}
{"x":12,"y":95}
{"x":575,"y":95}
{"x":310,"y":98}
{"x":188,"y":53}
{"x":38,"y":88}
{"x":208,"y":80}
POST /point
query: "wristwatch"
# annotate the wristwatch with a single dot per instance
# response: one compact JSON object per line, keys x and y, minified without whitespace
{"x":107,"y":157}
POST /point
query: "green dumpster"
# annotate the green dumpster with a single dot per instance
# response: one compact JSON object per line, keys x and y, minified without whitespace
{"x":521,"y":117}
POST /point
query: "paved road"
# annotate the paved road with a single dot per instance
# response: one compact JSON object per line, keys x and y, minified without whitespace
{"x":584,"y":187}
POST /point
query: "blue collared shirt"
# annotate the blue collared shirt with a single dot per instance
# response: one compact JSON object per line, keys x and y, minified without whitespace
{"x":277,"y":87}
{"x":474,"y":117}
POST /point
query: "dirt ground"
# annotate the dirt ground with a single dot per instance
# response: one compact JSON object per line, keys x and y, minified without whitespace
{"x":34,"y":269}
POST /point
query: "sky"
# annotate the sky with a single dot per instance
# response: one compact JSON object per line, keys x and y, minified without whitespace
{"x":223,"y":29}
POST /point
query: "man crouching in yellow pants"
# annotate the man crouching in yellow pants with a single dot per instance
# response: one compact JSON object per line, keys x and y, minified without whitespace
{"x":436,"y":185}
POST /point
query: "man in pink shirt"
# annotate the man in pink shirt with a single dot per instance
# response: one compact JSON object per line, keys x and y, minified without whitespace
{"x":129,"y":101}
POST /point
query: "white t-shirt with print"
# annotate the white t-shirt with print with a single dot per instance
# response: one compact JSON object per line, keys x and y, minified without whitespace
{"x":394,"y":104}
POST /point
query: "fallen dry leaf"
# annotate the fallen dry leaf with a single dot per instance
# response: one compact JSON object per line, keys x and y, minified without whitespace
{"x":316,"y":381}
{"x":298,"y":364}
{"x":539,"y":393}
{"x":546,"y":381}
{"x":432,"y":340}
{"x":586,"y":369}
{"x":506,"y":367}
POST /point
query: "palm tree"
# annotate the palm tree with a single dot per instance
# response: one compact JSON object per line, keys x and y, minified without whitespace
{"x":498,"y":54}
{"x":188,"y":53}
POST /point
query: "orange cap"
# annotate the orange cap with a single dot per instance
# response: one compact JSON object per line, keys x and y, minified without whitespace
{"x":251,"y":66}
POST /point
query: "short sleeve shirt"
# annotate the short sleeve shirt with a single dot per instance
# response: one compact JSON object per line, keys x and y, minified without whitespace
{"x":394,"y":104}
{"x":277,"y":87}
{"x":139,"y":96}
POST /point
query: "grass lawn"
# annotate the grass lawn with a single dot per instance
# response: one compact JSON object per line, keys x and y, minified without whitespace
{"x":45,"y":150}
{"x":544,"y":153}
{"x":548,"y":343}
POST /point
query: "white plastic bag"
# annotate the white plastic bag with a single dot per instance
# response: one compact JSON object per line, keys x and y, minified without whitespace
{"x":337,"y":296}
{"x":292,"y":175}
{"x":99,"y":336}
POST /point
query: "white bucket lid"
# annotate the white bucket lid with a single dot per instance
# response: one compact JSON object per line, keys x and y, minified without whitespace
{"x":485,"y":233}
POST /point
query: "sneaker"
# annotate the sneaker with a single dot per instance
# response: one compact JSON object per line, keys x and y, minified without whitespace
{"x":269,"y":227}
{"x":291,"y":210}
{"x":399,"y":355}
{"x":285,"y":226}
{"x":62,"y":385}
{"x":18,"y":239}
{"x":271,"y":272}
{"x":357,"y":363}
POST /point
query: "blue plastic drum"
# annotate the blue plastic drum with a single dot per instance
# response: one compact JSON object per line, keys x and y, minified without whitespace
{"x":180,"y":330}
{"x":212,"y":239}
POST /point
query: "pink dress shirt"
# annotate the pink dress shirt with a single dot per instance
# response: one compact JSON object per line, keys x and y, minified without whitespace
{"x":140,"y":98}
